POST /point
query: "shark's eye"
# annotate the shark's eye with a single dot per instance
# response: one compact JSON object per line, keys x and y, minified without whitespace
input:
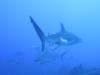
{"x":63,"y":40}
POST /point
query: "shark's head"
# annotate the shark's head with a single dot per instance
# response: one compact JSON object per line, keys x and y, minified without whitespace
{"x":69,"y":39}
{"x":64,"y":37}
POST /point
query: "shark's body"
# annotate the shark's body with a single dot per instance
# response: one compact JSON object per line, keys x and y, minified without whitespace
{"x":61,"y":38}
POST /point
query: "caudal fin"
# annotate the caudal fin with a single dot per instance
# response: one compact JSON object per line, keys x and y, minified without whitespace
{"x":39,"y":32}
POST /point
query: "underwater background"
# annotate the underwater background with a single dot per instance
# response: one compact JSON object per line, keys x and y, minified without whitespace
{"x":19,"y":41}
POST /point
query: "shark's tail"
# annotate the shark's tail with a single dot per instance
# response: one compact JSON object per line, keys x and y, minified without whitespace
{"x":39,"y":32}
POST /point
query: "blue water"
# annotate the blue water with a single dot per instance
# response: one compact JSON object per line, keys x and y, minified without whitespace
{"x":19,"y":41}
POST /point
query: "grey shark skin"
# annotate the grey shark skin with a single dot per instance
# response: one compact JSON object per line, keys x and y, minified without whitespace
{"x":61,"y":38}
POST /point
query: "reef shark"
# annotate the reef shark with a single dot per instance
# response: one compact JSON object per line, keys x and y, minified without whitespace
{"x":61,"y":38}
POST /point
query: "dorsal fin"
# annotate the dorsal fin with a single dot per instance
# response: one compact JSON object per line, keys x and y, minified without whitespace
{"x":62,"y":27}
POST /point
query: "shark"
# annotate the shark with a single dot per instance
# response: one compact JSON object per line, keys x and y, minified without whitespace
{"x":61,"y":38}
